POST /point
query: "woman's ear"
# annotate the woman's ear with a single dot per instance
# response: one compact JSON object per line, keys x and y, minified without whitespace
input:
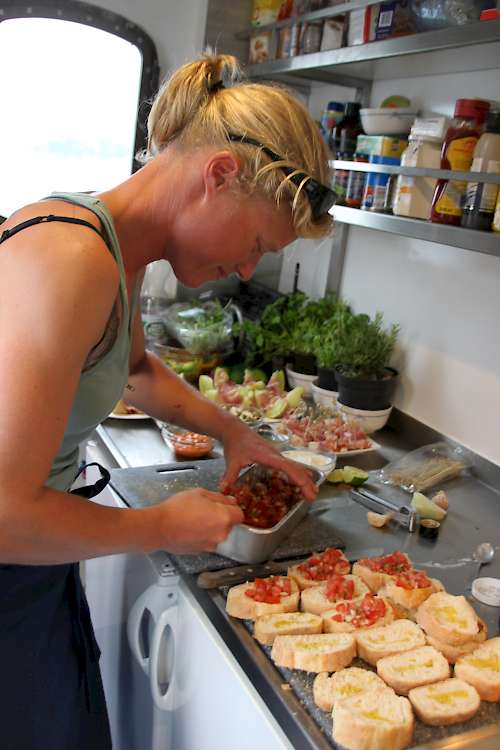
{"x":220,"y":172}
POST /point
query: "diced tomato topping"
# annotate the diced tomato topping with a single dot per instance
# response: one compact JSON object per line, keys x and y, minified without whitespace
{"x":269,"y":590}
{"x":413,"y":579}
{"x":339,"y":587}
{"x":322,"y":566}
{"x":266,"y":500}
{"x":361,"y":614}
{"x":392,"y":564}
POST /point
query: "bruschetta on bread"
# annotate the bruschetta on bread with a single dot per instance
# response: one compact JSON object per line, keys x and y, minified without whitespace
{"x":263,"y":596}
{"x":319,"y":599}
{"x":267,"y":627}
{"x":328,"y":690}
{"x":443,"y":703}
{"x":448,"y":618}
{"x":376,"y":720}
{"x":481,"y":669}
{"x":349,"y":616}
{"x":376,"y":571}
{"x":318,"y":568}
{"x":314,"y":653}
{"x":409,"y":589}
{"x":399,"y":636}
{"x":452,"y":653}
{"x":408,"y":670}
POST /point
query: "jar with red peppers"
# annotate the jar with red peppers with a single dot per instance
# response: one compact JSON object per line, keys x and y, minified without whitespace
{"x":457,"y":153}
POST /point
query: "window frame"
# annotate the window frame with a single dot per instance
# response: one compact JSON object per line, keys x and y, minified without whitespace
{"x":114,"y":23}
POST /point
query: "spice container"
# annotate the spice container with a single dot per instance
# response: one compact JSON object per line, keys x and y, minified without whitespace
{"x":457,"y":153}
{"x":341,"y":180}
{"x":374,"y":196}
{"x":356,"y":184}
{"x":413,"y":195}
{"x":480,"y":197}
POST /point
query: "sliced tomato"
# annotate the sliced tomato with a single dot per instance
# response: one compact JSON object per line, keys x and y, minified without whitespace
{"x":269,"y":590}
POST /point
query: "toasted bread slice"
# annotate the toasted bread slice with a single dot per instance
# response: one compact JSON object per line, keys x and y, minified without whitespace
{"x":452,"y":653}
{"x":408,"y":670}
{"x":442,"y":703}
{"x":319,"y":567}
{"x":314,"y":653}
{"x":409,"y":589}
{"x":348,"y":617}
{"x":376,"y":571}
{"x":351,"y":681}
{"x":240,"y":604}
{"x":399,"y":636}
{"x":319,"y":599}
{"x":267,"y":627}
{"x":482,"y":670}
{"x":377,"y":720}
{"x":448,"y":618}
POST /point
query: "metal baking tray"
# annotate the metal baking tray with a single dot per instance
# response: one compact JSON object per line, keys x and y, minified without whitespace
{"x":248,"y":544}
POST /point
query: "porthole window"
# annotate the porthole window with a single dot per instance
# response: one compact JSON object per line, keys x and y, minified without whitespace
{"x":74,"y":88}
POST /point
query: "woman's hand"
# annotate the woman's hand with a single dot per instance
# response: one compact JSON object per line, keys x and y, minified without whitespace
{"x":196,"y":520}
{"x":242,"y":446}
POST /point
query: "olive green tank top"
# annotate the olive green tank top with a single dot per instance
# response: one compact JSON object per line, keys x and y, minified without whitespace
{"x":101,"y":384}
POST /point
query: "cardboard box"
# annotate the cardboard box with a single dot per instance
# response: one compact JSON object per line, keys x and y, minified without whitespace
{"x":380,"y":145}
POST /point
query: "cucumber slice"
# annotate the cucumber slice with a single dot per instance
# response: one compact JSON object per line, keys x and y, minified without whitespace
{"x":354,"y":476}
{"x":336,"y":476}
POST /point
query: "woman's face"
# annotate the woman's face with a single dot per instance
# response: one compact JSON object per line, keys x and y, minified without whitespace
{"x":224,"y":231}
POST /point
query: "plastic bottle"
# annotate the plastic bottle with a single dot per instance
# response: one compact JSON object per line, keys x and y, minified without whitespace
{"x":374,"y":196}
{"x":413,"y":195}
{"x":343,"y":135}
{"x":457,"y":153}
{"x":332,"y":114}
{"x":480,"y":197}
{"x":157,"y":294}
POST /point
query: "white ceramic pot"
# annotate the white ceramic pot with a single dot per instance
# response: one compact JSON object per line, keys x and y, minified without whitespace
{"x":298,"y":378}
{"x":323,"y":397}
{"x":370,"y":421}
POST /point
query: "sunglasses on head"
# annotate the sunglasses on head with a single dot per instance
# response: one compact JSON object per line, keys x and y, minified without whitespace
{"x":321,"y":198}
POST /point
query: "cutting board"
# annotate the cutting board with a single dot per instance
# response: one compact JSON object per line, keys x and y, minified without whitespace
{"x":149,"y":485}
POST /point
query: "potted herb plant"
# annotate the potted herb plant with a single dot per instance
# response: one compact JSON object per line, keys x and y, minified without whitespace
{"x":363,"y":352}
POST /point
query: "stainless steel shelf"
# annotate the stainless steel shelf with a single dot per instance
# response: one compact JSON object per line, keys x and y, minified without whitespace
{"x":446,"y":174}
{"x":475,"y":40}
{"x":468,"y":239}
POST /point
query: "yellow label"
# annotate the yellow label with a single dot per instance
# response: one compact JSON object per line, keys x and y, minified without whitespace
{"x":447,"y":698}
{"x":460,"y":151}
{"x":493,"y":663}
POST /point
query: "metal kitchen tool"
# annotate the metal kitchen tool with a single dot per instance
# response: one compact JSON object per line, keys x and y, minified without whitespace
{"x":407,"y":516}
{"x":483,"y":554}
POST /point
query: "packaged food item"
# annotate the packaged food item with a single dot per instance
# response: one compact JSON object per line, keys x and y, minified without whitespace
{"x":426,"y":467}
{"x":380,"y":145}
{"x":457,"y":153}
{"x":395,"y":19}
{"x":310,"y":38}
{"x":333,"y":33}
{"x":480,"y":197}
{"x":413,"y":195}
{"x":374,"y":196}
{"x":264,"y":12}
{"x":332,"y":114}
{"x":361,"y":25}
{"x":356,"y":184}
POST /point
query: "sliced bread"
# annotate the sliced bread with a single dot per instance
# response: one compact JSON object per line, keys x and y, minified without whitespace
{"x":347,"y":617}
{"x":319,"y":568}
{"x":319,"y":599}
{"x":448,"y":702}
{"x":327,"y":690}
{"x":377,"y":720}
{"x":452,"y":653}
{"x":314,"y":653}
{"x":448,"y":618}
{"x":376,"y":571}
{"x":408,"y":670}
{"x":399,"y":636}
{"x":263,"y":597}
{"x":481,"y":669}
{"x":267,"y":627}
{"x":409,"y":589}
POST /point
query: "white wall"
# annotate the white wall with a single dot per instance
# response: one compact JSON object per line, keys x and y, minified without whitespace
{"x":176,"y":26}
{"x":447,"y":300}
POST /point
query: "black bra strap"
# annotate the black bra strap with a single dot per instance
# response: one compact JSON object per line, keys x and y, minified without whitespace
{"x":43,"y":219}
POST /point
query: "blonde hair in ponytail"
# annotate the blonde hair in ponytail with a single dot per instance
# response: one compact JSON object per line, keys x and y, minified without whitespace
{"x":189,"y":111}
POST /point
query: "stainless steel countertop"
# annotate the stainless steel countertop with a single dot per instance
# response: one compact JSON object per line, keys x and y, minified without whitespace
{"x":474,"y":517}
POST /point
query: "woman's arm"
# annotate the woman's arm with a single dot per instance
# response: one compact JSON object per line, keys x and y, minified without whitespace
{"x":158,"y":391}
{"x":57,"y":289}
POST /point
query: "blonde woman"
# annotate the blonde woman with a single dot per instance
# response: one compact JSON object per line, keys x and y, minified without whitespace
{"x":232,"y":170}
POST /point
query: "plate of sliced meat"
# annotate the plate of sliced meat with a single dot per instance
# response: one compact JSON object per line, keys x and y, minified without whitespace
{"x":327,"y":434}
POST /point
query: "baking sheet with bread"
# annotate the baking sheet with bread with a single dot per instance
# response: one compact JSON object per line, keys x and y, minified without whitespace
{"x":381,"y":655}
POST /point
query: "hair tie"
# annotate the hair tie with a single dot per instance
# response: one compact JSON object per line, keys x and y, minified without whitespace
{"x":214,"y":87}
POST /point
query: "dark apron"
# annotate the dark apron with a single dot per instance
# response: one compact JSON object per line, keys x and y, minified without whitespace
{"x":52,"y":696}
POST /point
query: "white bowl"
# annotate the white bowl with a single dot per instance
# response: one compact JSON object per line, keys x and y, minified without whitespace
{"x":319,"y":461}
{"x":388,"y":120}
{"x":370,"y":421}
{"x":298,"y":378}
{"x":323,"y":397}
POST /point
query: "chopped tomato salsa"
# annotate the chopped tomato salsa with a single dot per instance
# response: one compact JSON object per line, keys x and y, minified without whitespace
{"x":339,"y":587}
{"x":413,"y":579}
{"x":323,"y":565}
{"x":361,"y":614}
{"x":266,"y":500}
{"x":392,"y":564}
{"x":270,"y":590}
